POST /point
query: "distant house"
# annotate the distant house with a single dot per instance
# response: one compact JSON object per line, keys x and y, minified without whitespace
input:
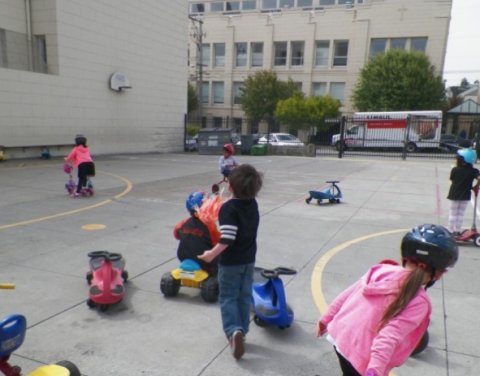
{"x":464,"y":117}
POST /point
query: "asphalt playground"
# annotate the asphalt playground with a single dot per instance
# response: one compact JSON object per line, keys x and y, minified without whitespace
{"x":45,"y":237}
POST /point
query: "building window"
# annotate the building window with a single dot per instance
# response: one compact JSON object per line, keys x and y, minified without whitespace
{"x":219,"y":54}
{"x":319,"y":89}
{"x":216,"y":7}
{"x":217,"y":122}
{"x":304,"y":3}
{"x":257,"y":54}
{"x":286,"y":4}
{"x":298,"y":85}
{"x":340,"y":53}
{"x":205,"y":92}
{"x":327,"y":2}
{"x":377,"y":46}
{"x":218,"y":93}
{"x":237,"y":124}
{"x":398,"y":43}
{"x":205,"y":55}
{"x":40,"y":54}
{"x":297,"y":53}
{"x":321,"y":52}
{"x":269,"y":4}
{"x":198,"y":8}
{"x":337,"y":91}
{"x":240,"y":54}
{"x":237,"y":92}
{"x":233,"y":5}
{"x":280,"y":51}
{"x":249,"y":4}
{"x":418,"y":44}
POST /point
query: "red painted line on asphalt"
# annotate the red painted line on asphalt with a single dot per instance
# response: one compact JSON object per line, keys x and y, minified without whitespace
{"x":437,"y":192}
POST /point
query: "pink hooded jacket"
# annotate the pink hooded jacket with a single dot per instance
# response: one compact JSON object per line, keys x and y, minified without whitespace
{"x":352,"y":321}
{"x":79,"y":154}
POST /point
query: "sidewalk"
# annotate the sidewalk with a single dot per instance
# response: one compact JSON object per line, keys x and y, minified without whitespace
{"x":45,"y":237}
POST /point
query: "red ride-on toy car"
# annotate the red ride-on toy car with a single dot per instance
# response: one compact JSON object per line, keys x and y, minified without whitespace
{"x":106,"y":278}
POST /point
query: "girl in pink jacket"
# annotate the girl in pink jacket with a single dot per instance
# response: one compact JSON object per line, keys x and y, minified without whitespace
{"x":377,"y":322}
{"x":81,"y":159}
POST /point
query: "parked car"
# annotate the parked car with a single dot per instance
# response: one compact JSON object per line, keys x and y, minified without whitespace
{"x":280,"y":139}
{"x":453,"y":143}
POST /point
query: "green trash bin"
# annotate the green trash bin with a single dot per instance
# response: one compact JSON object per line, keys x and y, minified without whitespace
{"x":258,"y":150}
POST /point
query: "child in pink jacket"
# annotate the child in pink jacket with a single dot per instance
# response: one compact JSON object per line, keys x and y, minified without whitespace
{"x":377,"y":322}
{"x":82,"y":160}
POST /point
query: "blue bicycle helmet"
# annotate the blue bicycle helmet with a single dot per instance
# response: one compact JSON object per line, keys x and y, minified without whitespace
{"x":432,"y":245}
{"x":468,"y":155}
{"x":194,"y":201}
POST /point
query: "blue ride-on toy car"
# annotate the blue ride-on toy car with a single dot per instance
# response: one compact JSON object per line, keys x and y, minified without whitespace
{"x":332,"y":193}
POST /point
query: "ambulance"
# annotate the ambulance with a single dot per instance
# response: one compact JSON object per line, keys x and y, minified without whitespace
{"x":413,"y":129}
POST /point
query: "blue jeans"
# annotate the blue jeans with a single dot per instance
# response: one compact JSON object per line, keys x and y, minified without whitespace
{"x":235,"y":282}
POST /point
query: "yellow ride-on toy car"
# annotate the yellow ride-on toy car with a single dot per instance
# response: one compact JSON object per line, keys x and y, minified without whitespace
{"x":190,"y":274}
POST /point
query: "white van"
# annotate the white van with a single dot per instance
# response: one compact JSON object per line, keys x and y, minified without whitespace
{"x":389,"y":130}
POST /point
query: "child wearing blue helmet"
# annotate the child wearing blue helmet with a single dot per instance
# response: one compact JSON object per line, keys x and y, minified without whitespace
{"x":462,"y":177}
{"x":195,"y":236}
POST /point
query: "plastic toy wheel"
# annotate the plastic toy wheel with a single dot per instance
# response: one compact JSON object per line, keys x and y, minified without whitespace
{"x":104,"y":307}
{"x":319,"y":201}
{"x":125,"y":276}
{"x":91,"y":303}
{"x":477,"y":240}
{"x":259,"y":322}
{"x":209,"y":290}
{"x":89,"y":277}
{"x":72,"y":368}
{"x":307,"y":200}
{"x":422,"y":345}
{"x":169,"y":286}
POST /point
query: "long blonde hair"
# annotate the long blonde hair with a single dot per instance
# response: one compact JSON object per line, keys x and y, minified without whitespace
{"x":409,"y":289}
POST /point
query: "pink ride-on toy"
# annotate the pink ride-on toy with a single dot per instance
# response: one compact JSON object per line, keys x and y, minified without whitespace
{"x":71,"y":185}
{"x":472,"y":233}
{"x":12,"y":335}
{"x":106,"y":278}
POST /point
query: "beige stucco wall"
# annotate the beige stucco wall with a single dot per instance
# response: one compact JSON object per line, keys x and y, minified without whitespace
{"x":88,"y":40}
{"x":373,"y":19}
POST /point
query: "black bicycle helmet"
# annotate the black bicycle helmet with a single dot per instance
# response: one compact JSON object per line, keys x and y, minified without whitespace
{"x":80,"y":139}
{"x":432,"y":245}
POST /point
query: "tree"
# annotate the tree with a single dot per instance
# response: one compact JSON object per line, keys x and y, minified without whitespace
{"x":192,"y":104}
{"x":261,"y":93}
{"x":302,"y":113}
{"x":399,"y":81}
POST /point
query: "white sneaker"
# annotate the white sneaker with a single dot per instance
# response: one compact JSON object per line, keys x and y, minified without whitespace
{"x":236,"y":342}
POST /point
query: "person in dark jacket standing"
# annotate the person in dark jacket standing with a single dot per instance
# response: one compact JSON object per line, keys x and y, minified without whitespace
{"x":239,"y":219}
{"x":462,"y":177}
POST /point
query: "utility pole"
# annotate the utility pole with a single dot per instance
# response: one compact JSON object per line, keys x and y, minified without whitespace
{"x":197,"y":35}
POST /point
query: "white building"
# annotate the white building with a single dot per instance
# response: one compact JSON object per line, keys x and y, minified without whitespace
{"x":57,"y":58}
{"x":320,"y":44}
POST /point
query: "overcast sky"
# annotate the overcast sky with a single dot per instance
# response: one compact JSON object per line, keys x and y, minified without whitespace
{"x":463,"y":46}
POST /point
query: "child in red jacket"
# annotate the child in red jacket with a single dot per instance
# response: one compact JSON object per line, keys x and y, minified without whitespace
{"x":196,"y":235}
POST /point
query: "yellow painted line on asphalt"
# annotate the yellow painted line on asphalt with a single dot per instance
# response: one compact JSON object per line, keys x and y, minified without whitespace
{"x":317,"y":274}
{"x":127,"y":189}
{"x":93,"y":227}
